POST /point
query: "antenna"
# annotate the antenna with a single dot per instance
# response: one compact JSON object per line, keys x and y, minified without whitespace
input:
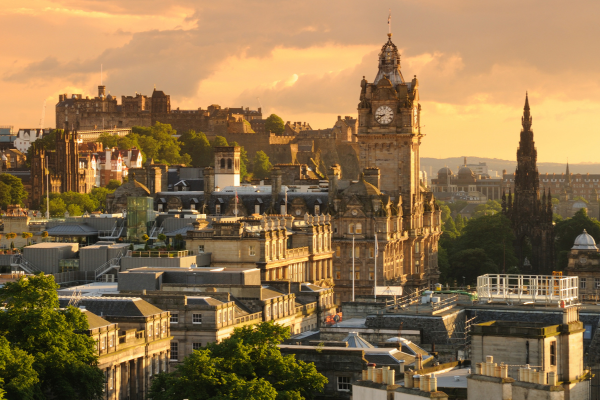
{"x":43,"y":115}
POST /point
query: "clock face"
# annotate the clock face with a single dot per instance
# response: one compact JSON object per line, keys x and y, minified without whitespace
{"x":354,"y":212}
{"x":384,"y":115}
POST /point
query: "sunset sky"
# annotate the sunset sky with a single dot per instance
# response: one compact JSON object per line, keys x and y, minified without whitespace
{"x":304,"y":60}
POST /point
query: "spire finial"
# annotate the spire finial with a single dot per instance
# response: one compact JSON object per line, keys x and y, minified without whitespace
{"x":526,"y":120}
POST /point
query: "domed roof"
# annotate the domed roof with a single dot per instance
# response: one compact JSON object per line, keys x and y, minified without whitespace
{"x":578,"y":205}
{"x":465,"y":171}
{"x":362,"y":188}
{"x":109,"y":97}
{"x":585,"y":241}
{"x":444,"y":172}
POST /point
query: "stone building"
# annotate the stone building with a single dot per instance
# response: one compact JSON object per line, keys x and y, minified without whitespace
{"x":67,"y":169}
{"x":133,"y":341}
{"x":467,"y":181}
{"x":281,"y":247}
{"x":530,"y":213}
{"x":584,"y":262}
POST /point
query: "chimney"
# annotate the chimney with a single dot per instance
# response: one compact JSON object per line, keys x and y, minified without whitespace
{"x":61,"y":97}
{"x":372,"y":175}
{"x":275,"y":187}
{"x":334,"y":176}
{"x":209,"y":180}
{"x":339,"y":117}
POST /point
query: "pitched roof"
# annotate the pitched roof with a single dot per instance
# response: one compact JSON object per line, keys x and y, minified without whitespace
{"x":95,"y":321}
{"x":115,"y":306}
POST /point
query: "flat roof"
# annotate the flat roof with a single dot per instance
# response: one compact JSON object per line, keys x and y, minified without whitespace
{"x":95,"y":289}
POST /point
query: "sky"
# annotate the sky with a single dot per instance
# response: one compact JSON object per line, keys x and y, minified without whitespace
{"x":304,"y":62}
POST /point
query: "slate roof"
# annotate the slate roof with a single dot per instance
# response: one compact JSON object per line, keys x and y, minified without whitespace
{"x":115,"y":306}
{"x":95,"y":321}
{"x":355,"y":341}
{"x":204,"y":301}
{"x":269,"y":293}
{"x":72,"y":230}
{"x":182,"y":231}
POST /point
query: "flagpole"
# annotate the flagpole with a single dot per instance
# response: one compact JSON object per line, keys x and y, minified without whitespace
{"x":353,"y":274}
{"x":376,"y":251}
{"x":47,"y":190}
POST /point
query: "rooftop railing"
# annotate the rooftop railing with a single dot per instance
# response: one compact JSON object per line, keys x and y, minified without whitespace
{"x":161,"y":254}
{"x":528,"y":288}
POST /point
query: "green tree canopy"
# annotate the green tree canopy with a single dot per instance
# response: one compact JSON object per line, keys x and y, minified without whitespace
{"x":491,"y":207}
{"x":65,"y":357}
{"x":247,"y":365}
{"x":566,"y":231}
{"x":219,"y":141}
{"x":470,"y":264}
{"x":262,"y":165}
{"x":197,"y":146}
{"x":113,"y":184}
{"x":159,"y":143}
{"x":445,"y":209}
{"x":275,"y":124}
{"x":16,"y":191}
{"x":459,"y":222}
{"x":18,"y":378}
{"x":99,"y":195}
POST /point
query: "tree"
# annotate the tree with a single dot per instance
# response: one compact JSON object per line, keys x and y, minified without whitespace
{"x":247,"y":365}
{"x":15,"y":189}
{"x":44,"y":235}
{"x":162,"y":237}
{"x":18,"y":378}
{"x":74,"y":210}
{"x":5,"y":197}
{"x":99,"y":195}
{"x":490,"y":208}
{"x":46,"y":142}
{"x":159,"y":143}
{"x":113,"y":184}
{"x":493,"y":235}
{"x":459,"y":222}
{"x":262,"y":165}
{"x":566,"y":231}
{"x":65,"y":357}
{"x":27,"y":236}
{"x":108,"y":140}
{"x":274,"y":124}
{"x":197,"y":146}
{"x":470,"y":264}
{"x":57,"y":207}
{"x":445,"y":209}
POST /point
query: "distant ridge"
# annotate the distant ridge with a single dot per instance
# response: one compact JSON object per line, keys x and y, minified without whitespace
{"x":497,"y":164}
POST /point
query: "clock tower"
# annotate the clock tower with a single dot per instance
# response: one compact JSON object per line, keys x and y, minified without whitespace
{"x":389,"y":134}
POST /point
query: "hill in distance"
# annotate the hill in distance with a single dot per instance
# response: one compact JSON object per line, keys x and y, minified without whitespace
{"x":433,"y":165}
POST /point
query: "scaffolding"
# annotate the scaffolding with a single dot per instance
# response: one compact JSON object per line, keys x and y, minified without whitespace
{"x":548,"y":289}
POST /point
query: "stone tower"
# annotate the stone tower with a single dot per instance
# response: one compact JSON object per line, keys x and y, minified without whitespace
{"x":530,"y":213}
{"x":227,"y":166}
{"x":388,"y":131}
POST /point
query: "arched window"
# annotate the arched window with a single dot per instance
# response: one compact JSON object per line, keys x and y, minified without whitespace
{"x":351,"y":228}
{"x":222,"y":163}
{"x":359,"y":228}
{"x":229,"y":163}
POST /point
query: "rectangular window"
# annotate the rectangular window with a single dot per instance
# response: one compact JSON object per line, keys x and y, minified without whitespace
{"x":111,"y":341}
{"x":317,"y":209}
{"x":582,"y":283}
{"x":553,"y":353}
{"x":357,"y":276}
{"x":338,"y":275}
{"x":149,"y":330}
{"x":257,"y":209}
{"x":338,"y":251}
{"x":357,"y":252}
{"x":196,"y":346}
{"x":371,"y":252}
{"x":174,"y":318}
{"x":197,"y":318}
{"x":218,"y":209}
{"x":587,"y":335}
{"x":174,"y":351}
{"x":597,"y":283}
{"x":343,"y":383}
{"x":164,"y":327}
{"x":104,"y":343}
{"x":251,"y":251}
{"x":200,"y":249}
{"x":219,"y":317}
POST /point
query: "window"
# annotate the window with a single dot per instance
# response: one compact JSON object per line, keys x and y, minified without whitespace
{"x":268,"y":312}
{"x":164,"y":327}
{"x":359,"y":228}
{"x":267,"y":251}
{"x":196,"y":346}
{"x":149,"y":330}
{"x":218,"y":209}
{"x":553,"y":353}
{"x":251,"y":251}
{"x":282,"y":209}
{"x":582,"y":283}
{"x":338,"y":275}
{"x":201,"y":249}
{"x":219,"y":317}
{"x":156,"y":364}
{"x":230,"y":314}
{"x":192,"y":206}
{"x":587,"y":335}
{"x":597,"y":283}
{"x":174,"y":318}
{"x":351,"y":228}
{"x":371,"y":252}
{"x":150,"y":367}
{"x":343,"y":383}
{"x":111,"y":378}
{"x":317,"y":209}
{"x":229,"y":163}
{"x":357,"y":252}
{"x":196,"y":318}
{"x":104,"y":343}
{"x":257,"y":209}
{"x":174,"y":351}
{"x":338,"y":251}
{"x":111,"y":341}
{"x":222,"y":163}
{"x":357,"y":276}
